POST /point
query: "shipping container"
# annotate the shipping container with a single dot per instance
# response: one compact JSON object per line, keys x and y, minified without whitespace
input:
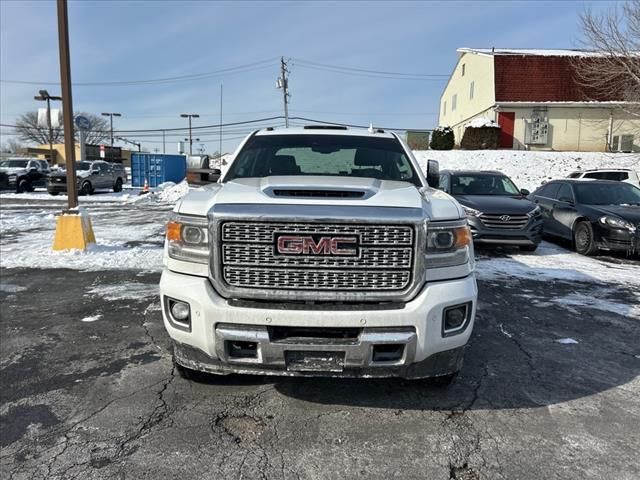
{"x":157,"y":168}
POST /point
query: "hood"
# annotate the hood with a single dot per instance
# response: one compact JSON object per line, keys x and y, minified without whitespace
{"x":321,"y":190}
{"x":631,"y":213}
{"x":497,"y":204}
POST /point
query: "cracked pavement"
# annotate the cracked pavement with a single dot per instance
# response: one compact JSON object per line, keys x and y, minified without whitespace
{"x":101,"y":399}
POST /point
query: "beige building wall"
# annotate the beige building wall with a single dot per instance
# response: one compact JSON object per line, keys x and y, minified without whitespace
{"x":471,"y":68}
{"x":577,"y":128}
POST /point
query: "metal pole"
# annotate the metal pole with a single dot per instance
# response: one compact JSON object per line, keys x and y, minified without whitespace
{"x":111,"y":128}
{"x":50,"y":129}
{"x":67,"y":103}
{"x":163,"y":144}
{"x":220,"y":150}
{"x":190,"y":139}
{"x":283,"y":71}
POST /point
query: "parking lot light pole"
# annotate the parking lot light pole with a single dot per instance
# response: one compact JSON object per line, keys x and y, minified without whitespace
{"x":45,"y":97}
{"x":190,"y":116}
{"x":111,"y":115}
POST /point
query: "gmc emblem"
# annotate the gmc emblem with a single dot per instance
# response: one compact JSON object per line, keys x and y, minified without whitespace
{"x":314,"y":244}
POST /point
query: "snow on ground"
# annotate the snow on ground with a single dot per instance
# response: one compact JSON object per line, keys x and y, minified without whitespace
{"x":92,"y":318}
{"x":124,"y":291}
{"x":528,"y":169}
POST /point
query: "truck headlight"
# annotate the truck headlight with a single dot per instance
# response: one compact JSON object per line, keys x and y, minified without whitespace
{"x":448,"y":243}
{"x":188,"y":238}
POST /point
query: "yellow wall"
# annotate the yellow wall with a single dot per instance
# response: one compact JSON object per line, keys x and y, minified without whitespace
{"x":577,"y":128}
{"x":479,"y":70}
{"x":60,"y":156}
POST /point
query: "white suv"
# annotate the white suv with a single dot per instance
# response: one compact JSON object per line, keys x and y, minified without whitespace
{"x":617,"y":174}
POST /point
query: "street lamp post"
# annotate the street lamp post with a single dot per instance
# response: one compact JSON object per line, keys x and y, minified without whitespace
{"x":190,"y":116}
{"x":45,"y":97}
{"x":111,"y":115}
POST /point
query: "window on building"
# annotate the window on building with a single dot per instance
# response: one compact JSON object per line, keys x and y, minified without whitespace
{"x":472,"y":87}
{"x":454,"y":102}
{"x":444,"y":108}
{"x":463,"y":69}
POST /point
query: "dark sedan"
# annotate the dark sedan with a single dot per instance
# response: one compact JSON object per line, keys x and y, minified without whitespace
{"x":498,"y":213}
{"x":593,"y":214}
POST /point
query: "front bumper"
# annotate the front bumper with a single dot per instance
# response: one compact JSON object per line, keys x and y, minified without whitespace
{"x":617,"y":239}
{"x":530,"y":234}
{"x":416,"y":326}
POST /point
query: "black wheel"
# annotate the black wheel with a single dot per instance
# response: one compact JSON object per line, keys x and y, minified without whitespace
{"x":528,"y":248}
{"x":86,"y":189}
{"x":54,"y":193}
{"x":117,"y":187}
{"x":24,"y":186}
{"x":583,"y":239}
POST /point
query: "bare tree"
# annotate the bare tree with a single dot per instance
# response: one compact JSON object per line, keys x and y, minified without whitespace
{"x":28,"y":130}
{"x":612,"y":73}
{"x":12,"y":145}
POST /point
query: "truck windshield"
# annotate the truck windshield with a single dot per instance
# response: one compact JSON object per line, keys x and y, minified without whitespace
{"x":607,"y":194}
{"x":482,"y":184}
{"x":332,"y":155}
{"x":14,"y":164}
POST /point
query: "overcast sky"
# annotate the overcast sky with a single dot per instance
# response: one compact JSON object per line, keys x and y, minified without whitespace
{"x":115,"y":41}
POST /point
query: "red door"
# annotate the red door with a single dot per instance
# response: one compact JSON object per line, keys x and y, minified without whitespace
{"x":506,"y":120}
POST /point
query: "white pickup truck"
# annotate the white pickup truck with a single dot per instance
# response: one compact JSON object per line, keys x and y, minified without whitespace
{"x":321,"y":251}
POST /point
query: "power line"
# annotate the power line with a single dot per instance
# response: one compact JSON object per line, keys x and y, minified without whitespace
{"x":196,"y":76}
{"x":368,"y":73}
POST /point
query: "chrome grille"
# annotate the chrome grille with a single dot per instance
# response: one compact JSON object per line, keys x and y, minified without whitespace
{"x":385,"y":260}
{"x":505,"y":222}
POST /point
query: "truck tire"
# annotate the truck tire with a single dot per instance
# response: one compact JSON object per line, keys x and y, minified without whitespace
{"x":54,"y":193}
{"x":24,"y":186}
{"x":86,"y":188}
{"x":528,"y":248}
{"x":117,"y":187}
{"x":583,"y":239}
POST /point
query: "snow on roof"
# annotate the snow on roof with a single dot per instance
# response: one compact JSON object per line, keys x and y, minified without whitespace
{"x":533,"y":52}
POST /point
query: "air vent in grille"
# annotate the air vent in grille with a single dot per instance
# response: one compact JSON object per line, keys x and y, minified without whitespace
{"x":505,"y":222}
{"x":318,"y":193}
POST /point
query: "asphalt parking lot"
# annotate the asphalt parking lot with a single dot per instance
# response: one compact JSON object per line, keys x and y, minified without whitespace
{"x":88,"y":389}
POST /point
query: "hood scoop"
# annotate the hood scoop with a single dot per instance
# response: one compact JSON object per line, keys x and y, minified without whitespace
{"x":317,"y":193}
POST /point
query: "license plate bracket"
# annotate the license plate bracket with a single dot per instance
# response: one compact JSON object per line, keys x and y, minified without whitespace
{"x":311,"y":361}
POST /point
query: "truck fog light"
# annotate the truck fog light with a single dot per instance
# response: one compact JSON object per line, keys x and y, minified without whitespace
{"x":455,"y":319}
{"x":180,"y":311}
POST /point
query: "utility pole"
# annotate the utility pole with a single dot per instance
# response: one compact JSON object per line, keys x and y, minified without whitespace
{"x":220,"y":149}
{"x":283,"y":83}
{"x":67,"y":103}
{"x":44,"y":96}
{"x":163,"y":144}
{"x":111,"y":115}
{"x":190,"y":116}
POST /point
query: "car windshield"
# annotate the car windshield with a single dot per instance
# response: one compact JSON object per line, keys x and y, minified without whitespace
{"x":607,"y":194}
{"x":332,"y":155}
{"x":14,"y":164}
{"x":83,"y":165}
{"x":482,"y":184}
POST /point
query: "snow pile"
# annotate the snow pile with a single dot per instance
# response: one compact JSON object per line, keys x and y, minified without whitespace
{"x":444,"y":129}
{"x":527,"y":169}
{"x":481,"y":123}
{"x":170,"y":192}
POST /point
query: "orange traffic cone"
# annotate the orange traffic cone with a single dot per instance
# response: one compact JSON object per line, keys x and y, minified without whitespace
{"x":145,"y":188}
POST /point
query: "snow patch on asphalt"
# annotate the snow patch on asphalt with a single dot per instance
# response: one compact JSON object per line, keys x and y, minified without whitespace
{"x":125,"y":291}
{"x":567,"y":341}
{"x":92,"y":318}
{"x":10,"y":288}
{"x":601,"y":302}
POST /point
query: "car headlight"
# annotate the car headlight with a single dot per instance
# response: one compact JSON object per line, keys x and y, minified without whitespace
{"x":471,"y":212}
{"x":188,"y":238}
{"x":535,"y":212}
{"x":448,"y":243}
{"x":616,"y":222}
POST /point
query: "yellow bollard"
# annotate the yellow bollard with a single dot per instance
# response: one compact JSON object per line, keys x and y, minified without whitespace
{"x":73,"y":231}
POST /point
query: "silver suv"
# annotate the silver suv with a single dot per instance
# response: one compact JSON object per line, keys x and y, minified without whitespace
{"x":91,"y":176}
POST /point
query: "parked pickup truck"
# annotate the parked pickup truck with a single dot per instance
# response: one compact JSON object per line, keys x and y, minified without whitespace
{"x":91,"y":176}
{"x":23,"y":174}
{"x":321,"y":251}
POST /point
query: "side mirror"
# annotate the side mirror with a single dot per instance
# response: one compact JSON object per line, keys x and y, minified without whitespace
{"x":433,"y":173}
{"x":32,"y":169}
{"x":216,"y":171}
{"x":525,"y":192}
